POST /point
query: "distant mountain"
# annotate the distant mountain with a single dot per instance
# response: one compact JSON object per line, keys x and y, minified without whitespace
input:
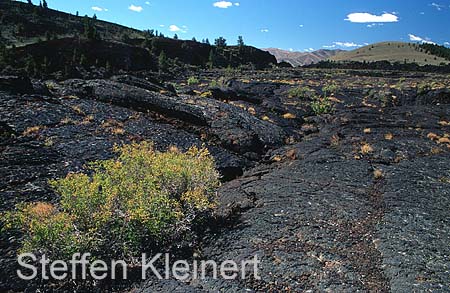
{"x":302,"y":58}
{"x":392,"y":52}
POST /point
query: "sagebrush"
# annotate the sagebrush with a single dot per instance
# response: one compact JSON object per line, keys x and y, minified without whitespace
{"x":120,"y":206}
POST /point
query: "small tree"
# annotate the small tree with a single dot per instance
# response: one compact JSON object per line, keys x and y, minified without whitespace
{"x":220,"y":42}
{"x":154,"y":46}
{"x":83,"y":60}
{"x":240,"y":42}
{"x":108,"y":67}
{"x":48,"y":36}
{"x":94,"y":16}
{"x":162,"y":61}
{"x":74,"y":56}
{"x":29,"y":2}
{"x":45,"y":66}
{"x":125,"y":38}
{"x":175,"y":37}
{"x":44,"y":4}
{"x":30,"y":66}
{"x":211,"y":59}
{"x":150,"y":33}
{"x":89,"y":29}
{"x":2,"y":53}
{"x":147,"y":43}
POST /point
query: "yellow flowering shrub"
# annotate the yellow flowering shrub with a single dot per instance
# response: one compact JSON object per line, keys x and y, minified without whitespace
{"x":121,"y":204}
{"x":45,"y":228}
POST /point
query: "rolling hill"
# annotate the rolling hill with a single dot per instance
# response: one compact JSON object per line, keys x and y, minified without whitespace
{"x":392,"y":52}
{"x":301,"y":58}
{"x":23,"y":24}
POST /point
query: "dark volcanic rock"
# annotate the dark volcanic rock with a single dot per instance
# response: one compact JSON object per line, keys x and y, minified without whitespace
{"x":359,"y":203}
{"x":232,"y":127}
{"x":16,"y":84}
{"x":197,"y":53}
{"x":147,"y":84}
{"x":323,"y":220}
{"x":60,"y":53}
{"x":434,"y":97}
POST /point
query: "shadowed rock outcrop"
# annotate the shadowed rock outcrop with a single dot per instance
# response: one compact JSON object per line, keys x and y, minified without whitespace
{"x":231,"y":127}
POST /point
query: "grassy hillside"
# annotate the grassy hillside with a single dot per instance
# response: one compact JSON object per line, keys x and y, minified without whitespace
{"x":392,"y":52}
{"x":43,"y":41}
{"x":23,"y":24}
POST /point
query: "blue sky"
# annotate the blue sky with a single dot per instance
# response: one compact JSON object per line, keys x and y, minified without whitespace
{"x":298,"y":25}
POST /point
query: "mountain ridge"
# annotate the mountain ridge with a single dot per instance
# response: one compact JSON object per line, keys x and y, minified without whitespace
{"x":301,"y":58}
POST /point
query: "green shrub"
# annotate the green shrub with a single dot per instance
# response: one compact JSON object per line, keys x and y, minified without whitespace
{"x":423,"y":88}
{"x":142,"y":197}
{"x":301,"y":92}
{"x":217,"y":82}
{"x":193,"y":80}
{"x":330,"y":89}
{"x":322,"y":106}
{"x":231,"y":72}
{"x":45,"y":227}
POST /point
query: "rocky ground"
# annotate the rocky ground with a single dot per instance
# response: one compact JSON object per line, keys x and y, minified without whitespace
{"x":353,"y":200}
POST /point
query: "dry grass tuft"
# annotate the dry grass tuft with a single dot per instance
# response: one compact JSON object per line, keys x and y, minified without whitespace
{"x":433,"y":136}
{"x":33,"y":130}
{"x":289,"y":116}
{"x":366,"y":148}
{"x":335,"y":140}
{"x":378,"y":174}
{"x":389,"y":136}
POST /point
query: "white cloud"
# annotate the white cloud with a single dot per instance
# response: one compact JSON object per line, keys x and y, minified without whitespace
{"x":371,"y":18}
{"x":175,"y":28}
{"x":437,"y":6}
{"x":147,"y":2}
{"x":100,"y":9}
{"x":347,"y":44}
{"x":342,"y":45}
{"x":447,"y":43}
{"x":375,"y":24}
{"x":264,"y":30}
{"x":301,"y":25}
{"x":415,"y":38}
{"x":223,"y":4}
{"x":135,"y":8}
